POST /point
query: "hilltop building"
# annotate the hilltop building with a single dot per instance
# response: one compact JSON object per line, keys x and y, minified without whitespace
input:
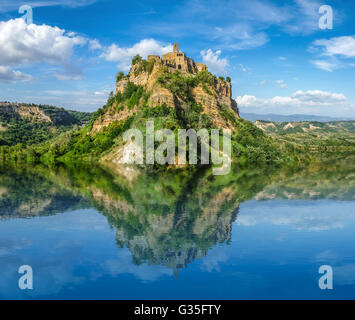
{"x":179,"y":61}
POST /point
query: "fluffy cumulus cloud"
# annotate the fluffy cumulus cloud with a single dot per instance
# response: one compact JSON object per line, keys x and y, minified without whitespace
{"x":124,"y":55}
{"x":314,"y":97}
{"x":299,"y":98}
{"x":301,"y":101}
{"x":213,"y":61}
{"x":21,"y":43}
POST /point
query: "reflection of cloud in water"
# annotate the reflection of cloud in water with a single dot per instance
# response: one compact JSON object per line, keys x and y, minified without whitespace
{"x":317,"y":215}
{"x":212,"y":261}
{"x":123,"y":264}
{"x":51,"y":271}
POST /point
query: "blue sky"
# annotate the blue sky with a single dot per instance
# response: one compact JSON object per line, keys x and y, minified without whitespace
{"x":279,"y":59}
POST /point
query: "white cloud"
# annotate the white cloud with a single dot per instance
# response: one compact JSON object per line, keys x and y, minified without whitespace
{"x":318,"y":96}
{"x":333,"y":52}
{"x":9,"y":75}
{"x":33,"y":44}
{"x":338,"y":46}
{"x":213,"y":61}
{"x":325,"y":65}
{"x":95,"y":45}
{"x":144,"y":48}
{"x":299,"y":98}
{"x":300,"y":101}
{"x":21,"y":43}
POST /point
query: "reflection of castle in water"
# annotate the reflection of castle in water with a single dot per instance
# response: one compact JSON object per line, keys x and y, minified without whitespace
{"x":175,"y":245}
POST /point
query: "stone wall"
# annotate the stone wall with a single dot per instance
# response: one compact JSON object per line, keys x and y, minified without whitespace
{"x":179,"y":61}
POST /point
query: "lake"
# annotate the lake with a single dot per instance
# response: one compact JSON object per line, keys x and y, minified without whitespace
{"x":91,"y":233}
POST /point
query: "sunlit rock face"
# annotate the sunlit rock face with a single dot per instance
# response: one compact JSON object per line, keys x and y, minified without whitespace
{"x":211,"y":97}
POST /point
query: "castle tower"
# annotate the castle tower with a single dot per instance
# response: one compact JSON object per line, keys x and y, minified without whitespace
{"x":176,"y":47}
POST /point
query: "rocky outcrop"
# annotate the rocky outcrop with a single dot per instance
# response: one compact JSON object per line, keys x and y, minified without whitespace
{"x":42,"y":113}
{"x":25,"y":111}
{"x":211,"y":97}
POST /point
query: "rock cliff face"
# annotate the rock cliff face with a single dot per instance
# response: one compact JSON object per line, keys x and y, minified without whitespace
{"x":40,"y":113}
{"x":212,"y":96}
{"x":25,"y":111}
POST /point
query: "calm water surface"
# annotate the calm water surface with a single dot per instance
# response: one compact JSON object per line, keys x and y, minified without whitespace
{"x":91,"y":234}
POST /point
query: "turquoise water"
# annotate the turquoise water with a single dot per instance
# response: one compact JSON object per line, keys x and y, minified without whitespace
{"x":89,"y":235}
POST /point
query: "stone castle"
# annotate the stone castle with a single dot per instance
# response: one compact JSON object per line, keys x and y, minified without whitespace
{"x":179,"y":61}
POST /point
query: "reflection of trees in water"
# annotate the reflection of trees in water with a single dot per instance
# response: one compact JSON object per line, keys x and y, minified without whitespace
{"x":27,"y":193}
{"x":333,"y":180}
{"x":169,"y":219}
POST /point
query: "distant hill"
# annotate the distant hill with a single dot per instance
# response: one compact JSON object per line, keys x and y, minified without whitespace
{"x":289,"y":118}
{"x":316,"y":127}
{"x":30,"y":123}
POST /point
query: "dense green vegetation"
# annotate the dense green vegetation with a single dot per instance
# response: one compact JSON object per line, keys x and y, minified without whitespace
{"x":24,"y":124}
{"x":181,"y":85}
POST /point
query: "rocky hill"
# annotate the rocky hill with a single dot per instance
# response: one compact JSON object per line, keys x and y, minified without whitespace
{"x":30,"y":123}
{"x":152,"y":83}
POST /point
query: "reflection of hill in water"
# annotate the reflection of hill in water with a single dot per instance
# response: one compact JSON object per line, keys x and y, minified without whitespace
{"x":335,"y":180}
{"x":171,"y":219}
{"x":25,"y":193}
